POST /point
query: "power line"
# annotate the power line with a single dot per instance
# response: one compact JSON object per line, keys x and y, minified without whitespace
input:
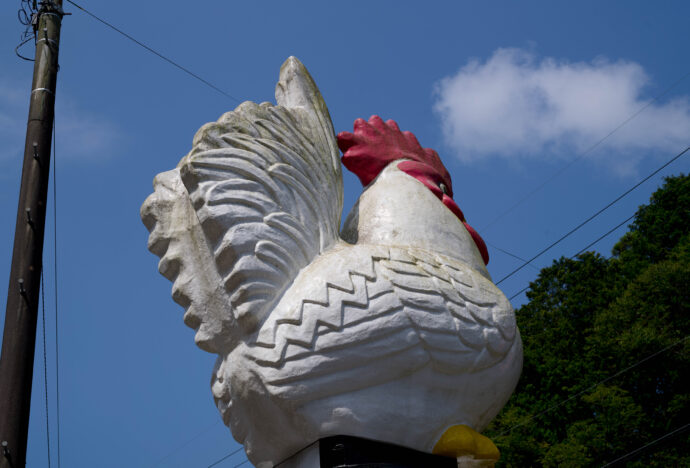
{"x":562,"y":238}
{"x":510,"y":254}
{"x":170,"y":61}
{"x":197,"y":77}
{"x":584,"y":153}
{"x":647,"y":445}
{"x":180,"y":447}
{"x":551,"y":408}
{"x":26,"y":15}
{"x":582,"y":250}
{"x":242,"y":463}
{"x":228,"y":456}
{"x":55,"y":274}
{"x":45,"y":363}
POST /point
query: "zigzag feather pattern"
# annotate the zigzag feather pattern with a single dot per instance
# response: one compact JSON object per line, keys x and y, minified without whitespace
{"x":460,"y":319}
{"x":267,"y":197}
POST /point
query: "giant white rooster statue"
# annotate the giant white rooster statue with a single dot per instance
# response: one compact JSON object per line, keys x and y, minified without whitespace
{"x":391,"y":330}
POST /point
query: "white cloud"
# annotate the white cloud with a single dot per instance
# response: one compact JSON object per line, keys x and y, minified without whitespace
{"x":84,"y":135}
{"x":81,"y":135}
{"x":514,"y":105}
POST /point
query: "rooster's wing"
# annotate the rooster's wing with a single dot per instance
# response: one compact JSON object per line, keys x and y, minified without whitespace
{"x":265,"y":188}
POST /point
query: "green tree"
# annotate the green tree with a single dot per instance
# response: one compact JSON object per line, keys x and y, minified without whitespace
{"x":658,"y":227}
{"x":591,"y":320}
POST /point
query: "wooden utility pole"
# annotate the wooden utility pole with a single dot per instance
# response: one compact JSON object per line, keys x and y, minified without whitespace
{"x":19,"y":337}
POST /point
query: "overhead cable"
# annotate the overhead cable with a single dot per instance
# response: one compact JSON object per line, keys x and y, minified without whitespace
{"x":27,"y":17}
{"x":170,"y":61}
{"x":509,"y":254}
{"x":226,"y":457}
{"x":55,"y":273}
{"x":45,"y":363}
{"x":180,"y":447}
{"x":576,"y":228}
{"x":669,"y":434}
{"x":558,"y":405}
{"x":612,"y":230}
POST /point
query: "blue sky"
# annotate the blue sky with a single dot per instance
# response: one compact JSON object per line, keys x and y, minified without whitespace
{"x":509,"y":93}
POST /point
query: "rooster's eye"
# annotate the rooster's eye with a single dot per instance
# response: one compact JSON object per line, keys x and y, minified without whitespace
{"x":443,"y":188}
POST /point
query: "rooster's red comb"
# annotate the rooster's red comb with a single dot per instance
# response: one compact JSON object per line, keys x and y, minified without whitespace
{"x":374,"y":144}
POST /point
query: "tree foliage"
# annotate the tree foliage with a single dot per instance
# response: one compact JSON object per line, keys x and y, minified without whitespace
{"x":607,"y":352}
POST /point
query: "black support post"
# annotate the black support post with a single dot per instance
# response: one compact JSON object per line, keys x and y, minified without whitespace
{"x":19,"y":336}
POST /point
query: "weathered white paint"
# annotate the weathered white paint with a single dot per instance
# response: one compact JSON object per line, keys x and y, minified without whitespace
{"x":392,"y":331}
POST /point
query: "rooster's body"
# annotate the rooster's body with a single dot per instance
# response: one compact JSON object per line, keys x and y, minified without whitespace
{"x":392,"y":330}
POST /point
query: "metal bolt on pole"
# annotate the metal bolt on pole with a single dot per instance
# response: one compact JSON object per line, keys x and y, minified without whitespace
{"x":19,"y":336}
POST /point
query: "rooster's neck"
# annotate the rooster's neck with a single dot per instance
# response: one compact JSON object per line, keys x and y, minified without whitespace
{"x":396,"y":209}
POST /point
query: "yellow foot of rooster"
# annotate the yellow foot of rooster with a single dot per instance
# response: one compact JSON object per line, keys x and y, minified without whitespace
{"x":467,"y":445}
